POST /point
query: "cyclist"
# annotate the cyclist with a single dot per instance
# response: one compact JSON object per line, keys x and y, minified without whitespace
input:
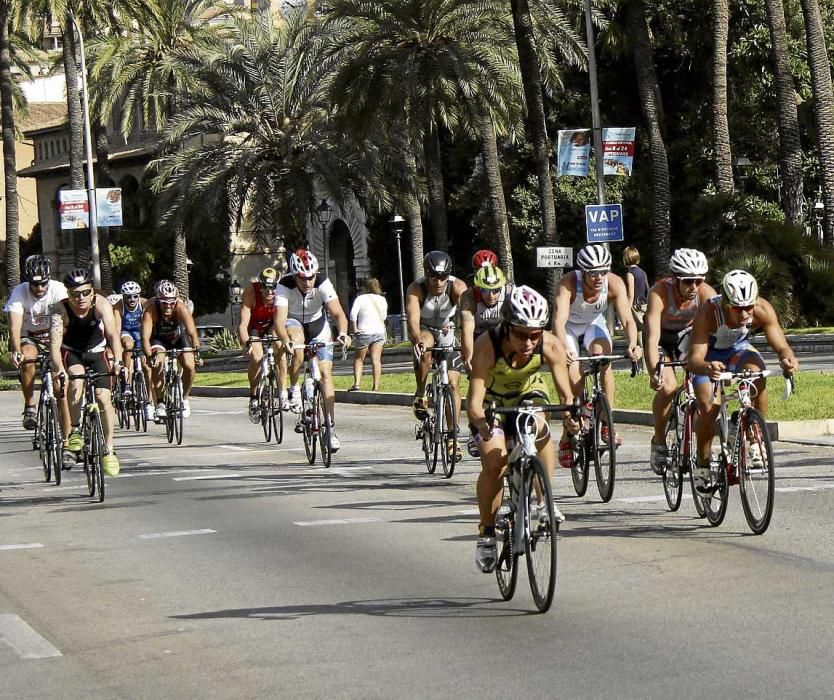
{"x":582,"y":299}
{"x":257,"y":312}
{"x":431,"y":302}
{"x":505,"y":369}
{"x":720,"y":343}
{"x":28,"y":310}
{"x":672,"y":305}
{"x":165,"y":324}
{"x":128,"y":311}
{"x":301,"y":299}
{"x":82,"y":327}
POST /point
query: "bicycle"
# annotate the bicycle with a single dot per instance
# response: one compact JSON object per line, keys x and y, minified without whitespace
{"x":92,"y":432}
{"x":315,"y":418}
{"x":139,"y":401}
{"x":740,"y":437}
{"x":48,"y":437}
{"x":172,"y":393}
{"x":120,"y":400}
{"x":270,"y":404}
{"x":438,"y":429}
{"x":524,"y":479}
{"x":591,"y":443}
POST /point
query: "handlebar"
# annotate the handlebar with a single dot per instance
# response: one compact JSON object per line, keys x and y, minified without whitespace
{"x":312,"y":348}
{"x":528,"y":407}
{"x":599,"y":360}
{"x":266,"y":339}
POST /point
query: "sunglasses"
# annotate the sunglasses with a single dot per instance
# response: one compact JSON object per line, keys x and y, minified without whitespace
{"x":270,"y":287}
{"x":532,"y":336}
{"x":739,"y":309}
{"x":131,"y":296}
{"x":168,"y":302}
{"x":82,"y":294}
{"x":691,"y":280}
{"x":444,"y":276}
{"x":597,"y":273}
{"x":43,"y":283}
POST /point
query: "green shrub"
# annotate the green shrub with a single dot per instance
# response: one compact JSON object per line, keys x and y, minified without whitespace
{"x":225,"y":340}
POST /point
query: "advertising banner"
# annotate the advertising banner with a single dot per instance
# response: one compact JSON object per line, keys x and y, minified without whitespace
{"x":109,"y":206}
{"x":73,"y":209}
{"x":573,"y":151}
{"x":618,"y":151}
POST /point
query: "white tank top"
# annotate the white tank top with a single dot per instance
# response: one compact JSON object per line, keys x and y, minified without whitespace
{"x":725,"y":337}
{"x":582,"y":312}
{"x":437,"y":311}
{"x":487,"y":317}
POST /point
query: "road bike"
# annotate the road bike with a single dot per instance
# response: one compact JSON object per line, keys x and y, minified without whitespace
{"x":48,"y":438}
{"x":172,"y":392}
{"x":315,"y":418}
{"x":745,"y":455}
{"x":526,"y":521}
{"x":270,"y":404}
{"x":438,"y":431}
{"x":92,"y":432}
{"x":680,"y":441}
{"x":139,"y":398}
{"x":595,"y":441}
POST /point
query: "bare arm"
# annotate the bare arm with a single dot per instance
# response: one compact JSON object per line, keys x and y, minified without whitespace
{"x":15,"y":329}
{"x":334,"y":308}
{"x":104,"y":310}
{"x":467,"y":325}
{"x":651,"y":323}
{"x":57,"y":323}
{"x":554,"y":353}
{"x":187,"y":320}
{"x":629,"y":283}
{"x":562,"y":304}
{"x":703,"y":325}
{"x":413,"y":301}
{"x":482,"y":361}
{"x":617,"y":290}
{"x":765,"y":316}
{"x":279,"y":321}
{"x":146,"y":330}
{"x":246,"y":305}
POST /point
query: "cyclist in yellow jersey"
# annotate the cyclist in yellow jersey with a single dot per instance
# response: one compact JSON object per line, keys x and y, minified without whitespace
{"x":505,"y":369}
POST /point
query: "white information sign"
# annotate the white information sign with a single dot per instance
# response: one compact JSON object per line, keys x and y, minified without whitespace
{"x":554,"y":257}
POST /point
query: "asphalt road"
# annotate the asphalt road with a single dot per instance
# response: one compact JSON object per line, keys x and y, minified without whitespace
{"x":228,"y":568}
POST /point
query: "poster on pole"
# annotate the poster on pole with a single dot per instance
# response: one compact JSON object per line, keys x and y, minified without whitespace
{"x":618,"y":150}
{"x":74,"y":209}
{"x":109,"y":206}
{"x":573,"y":152}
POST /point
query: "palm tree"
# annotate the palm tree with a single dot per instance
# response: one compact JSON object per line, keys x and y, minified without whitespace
{"x":720,"y":124}
{"x":823,"y":108}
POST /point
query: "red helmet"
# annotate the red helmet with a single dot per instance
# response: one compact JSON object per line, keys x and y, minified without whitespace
{"x":484,"y":257}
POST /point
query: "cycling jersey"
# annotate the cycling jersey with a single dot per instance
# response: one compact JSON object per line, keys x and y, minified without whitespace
{"x":83,"y":334}
{"x":507,"y":385}
{"x":586,"y":320}
{"x":261,"y":315}
{"x":167,"y":332}
{"x":487,"y":317}
{"x":437,"y":311}
{"x":35,"y":311}
{"x":679,"y":313}
{"x":131,"y":320}
{"x":725,"y":337}
{"x":304,"y":308}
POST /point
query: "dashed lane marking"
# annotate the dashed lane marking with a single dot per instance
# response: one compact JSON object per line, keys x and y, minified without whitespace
{"x":207,"y":477}
{"x":27,"y":643}
{"x":175,"y":533}
{"x":32,"y":545}
{"x":340,"y":521}
{"x":237,"y":448}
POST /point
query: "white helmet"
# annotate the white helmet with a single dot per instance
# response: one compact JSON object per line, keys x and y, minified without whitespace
{"x":525,"y":307}
{"x":303,"y":262}
{"x":688,"y":262}
{"x":740,"y":288}
{"x":166,"y":289}
{"x":114,"y":298}
{"x":131,"y":288}
{"x":594,"y":257}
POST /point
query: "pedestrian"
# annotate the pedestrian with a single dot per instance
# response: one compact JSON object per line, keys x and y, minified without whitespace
{"x":367,"y":319}
{"x":637,"y":288}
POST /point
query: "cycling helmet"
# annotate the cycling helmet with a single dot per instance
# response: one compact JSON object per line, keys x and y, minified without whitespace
{"x":688,"y":262}
{"x":166,"y":289}
{"x":740,"y":288}
{"x":525,"y":307}
{"x":131,"y":288}
{"x":37,"y":268}
{"x":268,"y":277}
{"x":594,"y":257}
{"x":490,"y":278}
{"x":114,"y":298}
{"x":437,"y":263}
{"x":484,"y":257}
{"x":77,"y":277}
{"x":303,"y":262}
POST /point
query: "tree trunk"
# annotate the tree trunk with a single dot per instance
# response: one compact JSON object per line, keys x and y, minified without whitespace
{"x":181,"y":263}
{"x":436,"y":188}
{"x":103,"y":179}
{"x":823,"y":109}
{"x":536,"y":123}
{"x":497,"y":205}
{"x":12,"y":272}
{"x":652,"y":105}
{"x":414,"y":219}
{"x":81,"y":237}
{"x":720,"y":124}
{"x":790,"y":146}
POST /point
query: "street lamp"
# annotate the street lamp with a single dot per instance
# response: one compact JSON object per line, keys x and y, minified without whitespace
{"x":91,"y":183}
{"x":398,"y":226}
{"x":323,"y":212}
{"x":819,"y":213}
{"x":235,"y":293}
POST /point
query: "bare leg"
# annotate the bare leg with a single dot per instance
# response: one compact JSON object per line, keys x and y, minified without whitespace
{"x":376,"y":364}
{"x":358,"y":362}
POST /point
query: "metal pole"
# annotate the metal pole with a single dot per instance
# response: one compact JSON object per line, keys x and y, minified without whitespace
{"x":595,"y":118}
{"x":326,"y":261}
{"x":403,"y":333}
{"x":91,"y":183}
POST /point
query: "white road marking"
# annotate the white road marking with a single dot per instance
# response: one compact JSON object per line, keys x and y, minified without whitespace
{"x":471,"y":511}
{"x":345,"y":521}
{"x":237,"y":448}
{"x":33,"y":545}
{"x":207,"y":477}
{"x":176,"y":533}
{"x":24,"y":640}
{"x":792,"y":489}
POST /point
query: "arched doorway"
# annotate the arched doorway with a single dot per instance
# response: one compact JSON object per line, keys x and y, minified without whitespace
{"x":340,"y":262}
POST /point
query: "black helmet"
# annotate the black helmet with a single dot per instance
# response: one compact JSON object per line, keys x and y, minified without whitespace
{"x":37,"y":268}
{"x":437,"y":263}
{"x":77,"y":277}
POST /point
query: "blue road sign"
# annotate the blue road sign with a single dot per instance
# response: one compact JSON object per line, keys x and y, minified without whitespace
{"x":604,"y":222}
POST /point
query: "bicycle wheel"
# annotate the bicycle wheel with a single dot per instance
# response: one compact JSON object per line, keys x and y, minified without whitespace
{"x":168,"y":393}
{"x":449,"y":435}
{"x":540,"y":546}
{"x":54,"y":439}
{"x":39,"y":440}
{"x":99,"y":450}
{"x":323,"y":422}
{"x":757,"y":481}
{"x":307,"y":419}
{"x":690,"y":456}
{"x":276,"y":413}
{"x":437,"y":432}
{"x":264,"y":395}
{"x":672,"y":469}
{"x":604,"y":451}
{"x":582,"y":444}
{"x":140,"y":401}
{"x":89,"y":465}
{"x":178,"y":411}
{"x":428,"y":445}
{"x":716,"y":506}
{"x":506,"y":566}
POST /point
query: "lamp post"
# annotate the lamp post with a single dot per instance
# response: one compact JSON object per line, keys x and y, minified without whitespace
{"x":323,"y":212}
{"x":398,"y":226}
{"x":819,"y":214}
{"x":234,"y":298}
{"x":91,"y":183}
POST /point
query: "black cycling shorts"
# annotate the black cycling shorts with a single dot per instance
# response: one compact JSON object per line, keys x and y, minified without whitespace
{"x":74,"y":361}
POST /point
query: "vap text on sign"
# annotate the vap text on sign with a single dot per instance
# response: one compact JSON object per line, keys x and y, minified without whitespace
{"x":604,"y":223}
{"x":552,"y":256}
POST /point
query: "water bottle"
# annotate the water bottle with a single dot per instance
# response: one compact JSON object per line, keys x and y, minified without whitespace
{"x":308,"y":386}
{"x":528,"y":443}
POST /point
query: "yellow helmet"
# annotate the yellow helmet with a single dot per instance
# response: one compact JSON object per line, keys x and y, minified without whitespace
{"x":489,"y":277}
{"x":268,"y":277}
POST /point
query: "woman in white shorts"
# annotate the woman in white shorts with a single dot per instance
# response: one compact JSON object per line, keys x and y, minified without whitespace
{"x":367,"y":318}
